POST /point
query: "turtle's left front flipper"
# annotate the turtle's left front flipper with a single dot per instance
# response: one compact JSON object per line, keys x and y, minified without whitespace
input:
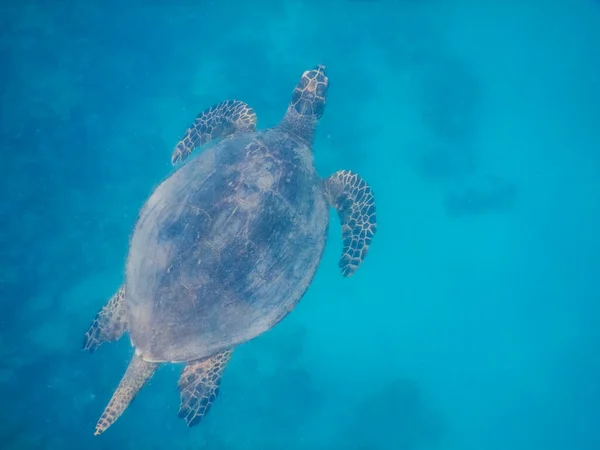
{"x":354,"y":201}
{"x":218,"y":121}
{"x":199,"y":386}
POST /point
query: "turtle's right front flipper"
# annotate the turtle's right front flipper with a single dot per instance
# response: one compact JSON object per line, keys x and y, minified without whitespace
{"x":354,"y":201}
{"x":218,"y":121}
{"x":109,"y":323}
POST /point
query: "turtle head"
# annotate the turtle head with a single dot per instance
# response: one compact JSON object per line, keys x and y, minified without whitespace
{"x":308,"y":98}
{"x":308,"y":102}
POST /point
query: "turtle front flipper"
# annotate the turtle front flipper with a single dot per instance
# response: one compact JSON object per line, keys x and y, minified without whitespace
{"x":218,"y":121}
{"x":109,"y":323}
{"x":136,"y":376}
{"x":354,"y":201}
{"x":199,"y":386}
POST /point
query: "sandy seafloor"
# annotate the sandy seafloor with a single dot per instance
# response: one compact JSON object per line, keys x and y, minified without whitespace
{"x":472,"y":324}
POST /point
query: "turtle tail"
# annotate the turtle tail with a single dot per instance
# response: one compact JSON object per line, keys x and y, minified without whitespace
{"x":136,"y":376}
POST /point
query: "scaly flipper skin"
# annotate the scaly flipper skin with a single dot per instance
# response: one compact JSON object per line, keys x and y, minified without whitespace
{"x":354,"y":201}
{"x":109,"y":323}
{"x":199,"y":386}
{"x":137,"y":374}
{"x":218,"y":121}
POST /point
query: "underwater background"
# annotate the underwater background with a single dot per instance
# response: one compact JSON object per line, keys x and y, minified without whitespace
{"x":473,"y":322}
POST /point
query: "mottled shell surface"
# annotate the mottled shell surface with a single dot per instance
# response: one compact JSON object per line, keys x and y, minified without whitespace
{"x":225,"y":247}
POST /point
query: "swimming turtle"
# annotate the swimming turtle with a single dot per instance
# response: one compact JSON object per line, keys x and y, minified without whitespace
{"x":227,"y":245}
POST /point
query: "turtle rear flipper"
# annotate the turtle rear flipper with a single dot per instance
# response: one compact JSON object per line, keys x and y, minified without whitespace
{"x":109,"y":323}
{"x":136,"y":376}
{"x":218,"y":121}
{"x":354,"y":201}
{"x":199,"y":386}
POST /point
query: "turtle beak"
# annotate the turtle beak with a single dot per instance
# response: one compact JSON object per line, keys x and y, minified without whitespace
{"x":321,"y":68}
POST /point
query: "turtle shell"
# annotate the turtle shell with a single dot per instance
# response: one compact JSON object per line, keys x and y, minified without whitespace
{"x":225,"y":247}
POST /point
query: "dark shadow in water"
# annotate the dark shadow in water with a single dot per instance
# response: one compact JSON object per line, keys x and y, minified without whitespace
{"x":445,"y":163}
{"x":493,"y":196}
{"x":396,"y":417}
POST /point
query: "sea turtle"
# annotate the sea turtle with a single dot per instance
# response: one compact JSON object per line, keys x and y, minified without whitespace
{"x":227,"y":245}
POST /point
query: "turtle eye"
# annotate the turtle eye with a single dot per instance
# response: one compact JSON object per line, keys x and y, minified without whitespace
{"x":319,"y":108}
{"x":321,"y":89}
{"x":296,"y":95}
{"x":304,"y":80}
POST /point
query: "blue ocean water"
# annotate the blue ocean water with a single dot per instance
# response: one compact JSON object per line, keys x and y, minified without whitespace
{"x":473,"y":322}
